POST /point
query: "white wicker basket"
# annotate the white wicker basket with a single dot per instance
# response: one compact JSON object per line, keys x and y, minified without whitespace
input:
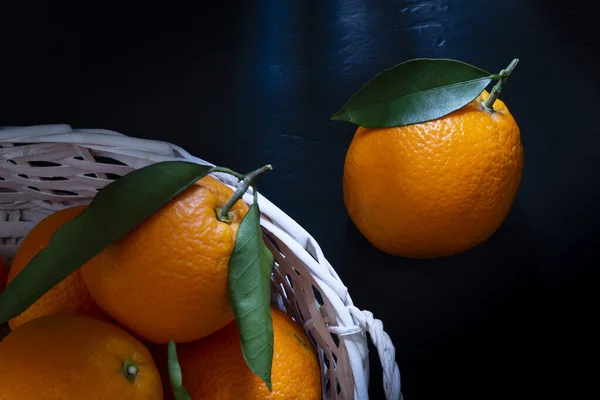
{"x":50,"y":167}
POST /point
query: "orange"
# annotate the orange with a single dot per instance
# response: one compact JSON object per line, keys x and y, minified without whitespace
{"x":62,"y":356}
{"x":167,"y":278}
{"x":68,"y":296}
{"x":436,"y":188}
{"x":214,"y":367}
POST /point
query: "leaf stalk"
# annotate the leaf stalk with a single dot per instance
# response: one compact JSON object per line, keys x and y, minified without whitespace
{"x":247,"y":181}
{"x":504,"y":75}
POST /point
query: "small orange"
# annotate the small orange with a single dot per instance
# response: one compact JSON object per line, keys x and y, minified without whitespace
{"x":68,"y":296}
{"x":62,"y":356}
{"x":435,"y":188}
{"x":214,"y":367}
{"x":167,"y":278}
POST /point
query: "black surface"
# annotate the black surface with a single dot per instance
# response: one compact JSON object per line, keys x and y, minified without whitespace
{"x":245,"y":85}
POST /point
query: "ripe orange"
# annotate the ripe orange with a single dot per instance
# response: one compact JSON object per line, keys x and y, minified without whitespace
{"x":68,"y":296}
{"x":435,"y":188}
{"x":167,"y":278}
{"x":214,"y":367}
{"x":62,"y":356}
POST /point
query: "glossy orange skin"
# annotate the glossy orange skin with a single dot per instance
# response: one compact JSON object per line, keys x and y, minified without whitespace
{"x":68,"y":296}
{"x":71,"y":357}
{"x":437,"y":188}
{"x":167,"y":278}
{"x":214,"y":367}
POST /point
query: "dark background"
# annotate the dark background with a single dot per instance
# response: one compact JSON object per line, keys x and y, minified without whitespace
{"x":247,"y":83}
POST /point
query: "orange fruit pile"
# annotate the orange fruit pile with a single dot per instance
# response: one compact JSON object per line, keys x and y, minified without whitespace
{"x":436,"y":188}
{"x":164,"y":280}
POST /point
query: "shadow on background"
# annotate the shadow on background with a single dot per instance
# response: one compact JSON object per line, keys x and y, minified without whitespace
{"x":468,"y":320}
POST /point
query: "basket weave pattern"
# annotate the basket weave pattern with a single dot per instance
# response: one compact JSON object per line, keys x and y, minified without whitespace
{"x":50,"y":167}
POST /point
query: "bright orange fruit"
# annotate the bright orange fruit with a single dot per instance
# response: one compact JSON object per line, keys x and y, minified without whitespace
{"x":167,"y":278}
{"x":436,"y":188}
{"x":68,"y":296}
{"x":214,"y":367}
{"x":62,"y":356}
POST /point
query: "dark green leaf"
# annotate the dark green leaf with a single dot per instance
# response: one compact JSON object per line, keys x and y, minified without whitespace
{"x":115,"y":210}
{"x":250,"y":268}
{"x":415,"y":91}
{"x":179,"y":390}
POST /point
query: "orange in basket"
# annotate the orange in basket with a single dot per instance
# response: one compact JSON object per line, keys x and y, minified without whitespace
{"x":167,"y":278}
{"x":70,"y":295}
{"x":214,"y":367}
{"x":62,"y":356}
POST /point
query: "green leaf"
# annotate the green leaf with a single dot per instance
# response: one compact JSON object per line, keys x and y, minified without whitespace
{"x":415,"y":91}
{"x":175,"y":376}
{"x":250,"y":268}
{"x":115,"y":210}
